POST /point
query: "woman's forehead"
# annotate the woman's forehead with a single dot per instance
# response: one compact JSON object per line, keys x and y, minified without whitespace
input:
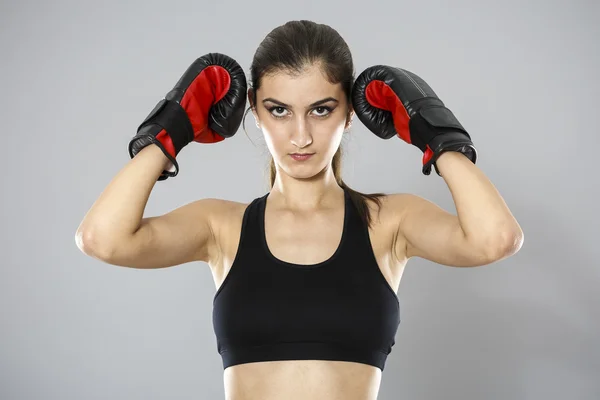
{"x":308,"y":85}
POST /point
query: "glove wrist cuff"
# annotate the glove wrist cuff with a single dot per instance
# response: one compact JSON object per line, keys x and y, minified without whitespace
{"x":452,"y":141}
{"x":170,"y":116}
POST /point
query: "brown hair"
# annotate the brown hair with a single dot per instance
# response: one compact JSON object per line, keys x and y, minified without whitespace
{"x":293,"y":46}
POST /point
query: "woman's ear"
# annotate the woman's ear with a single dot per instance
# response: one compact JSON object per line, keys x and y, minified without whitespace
{"x":253,"y":106}
{"x":349,"y":118}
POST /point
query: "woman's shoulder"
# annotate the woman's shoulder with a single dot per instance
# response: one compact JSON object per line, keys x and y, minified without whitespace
{"x":222,"y":212}
{"x":399,"y":201}
{"x":388,"y":212}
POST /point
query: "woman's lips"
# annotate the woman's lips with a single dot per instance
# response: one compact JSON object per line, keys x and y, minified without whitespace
{"x":301,"y":157}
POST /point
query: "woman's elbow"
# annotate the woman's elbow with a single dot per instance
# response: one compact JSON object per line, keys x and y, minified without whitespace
{"x":91,"y":244}
{"x":508,"y":244}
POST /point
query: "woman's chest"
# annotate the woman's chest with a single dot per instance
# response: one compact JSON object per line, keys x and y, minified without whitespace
{"x":305,"y":241}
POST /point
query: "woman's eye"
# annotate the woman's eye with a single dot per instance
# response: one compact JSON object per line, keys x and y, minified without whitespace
{"x":281,"y":112}
{"x":322,"y":111}
{"x":277,"y":111}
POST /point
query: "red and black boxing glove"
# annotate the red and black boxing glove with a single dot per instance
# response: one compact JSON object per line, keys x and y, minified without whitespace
{"x":392,"y":101}
{"x":206,"y":105}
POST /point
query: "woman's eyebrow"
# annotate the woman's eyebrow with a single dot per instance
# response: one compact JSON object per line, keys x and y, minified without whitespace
{"x":315,"y":104}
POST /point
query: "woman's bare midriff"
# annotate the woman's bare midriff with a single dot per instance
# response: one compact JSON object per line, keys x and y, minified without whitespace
{"x":304,"y":379}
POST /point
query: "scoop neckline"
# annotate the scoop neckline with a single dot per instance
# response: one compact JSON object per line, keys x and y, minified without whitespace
{"x":332,"y":258}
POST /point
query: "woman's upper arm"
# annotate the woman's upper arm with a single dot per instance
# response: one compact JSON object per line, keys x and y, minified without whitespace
{"x":427,"y":231}
{"x":183,"y":235}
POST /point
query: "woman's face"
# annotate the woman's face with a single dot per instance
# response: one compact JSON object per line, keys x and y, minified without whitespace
{"x":301,"y":114}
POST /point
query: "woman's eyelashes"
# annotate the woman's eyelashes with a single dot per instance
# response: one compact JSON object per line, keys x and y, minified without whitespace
{"x":279,"y":112}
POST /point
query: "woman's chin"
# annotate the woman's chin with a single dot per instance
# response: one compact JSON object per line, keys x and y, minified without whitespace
{"x":304,"y":171}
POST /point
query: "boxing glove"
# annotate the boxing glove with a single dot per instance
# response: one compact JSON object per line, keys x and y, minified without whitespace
{"x":206,"y":105}
{"x":394,"y":102}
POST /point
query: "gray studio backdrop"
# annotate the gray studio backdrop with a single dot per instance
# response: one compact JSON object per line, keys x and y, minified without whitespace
{"x":78,"y":77}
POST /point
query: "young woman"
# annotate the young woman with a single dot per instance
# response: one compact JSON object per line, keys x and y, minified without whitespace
{"x":307,"y":274}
